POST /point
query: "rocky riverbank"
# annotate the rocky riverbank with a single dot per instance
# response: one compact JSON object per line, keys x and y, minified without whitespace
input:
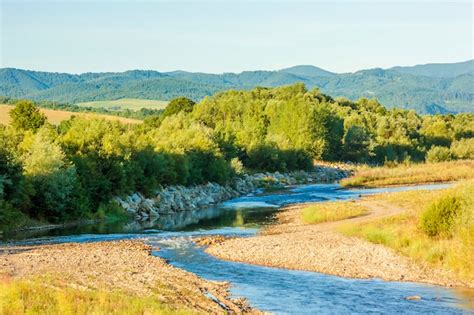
{"x":175,"y":199}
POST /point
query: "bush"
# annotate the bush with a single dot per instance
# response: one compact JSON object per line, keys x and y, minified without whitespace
{"x":463,"y":149}
{"x":269,"y":158}
{"x":237,"y":166}
{"x":438,"y":219}
{"x":439,"y":154}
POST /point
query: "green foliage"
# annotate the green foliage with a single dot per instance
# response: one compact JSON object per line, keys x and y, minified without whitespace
{"x":73,"y":170}
{"x":237,"y":166}
{"x":438,"y":219}
{"x":25,"y":116}
{"x":177,"y":105}
{"x":438,"y":154}
{"x":52,"y":177}
{"x":463,"y":149}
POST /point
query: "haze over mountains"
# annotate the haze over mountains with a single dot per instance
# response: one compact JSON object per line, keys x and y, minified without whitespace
{"x":430,"y":88}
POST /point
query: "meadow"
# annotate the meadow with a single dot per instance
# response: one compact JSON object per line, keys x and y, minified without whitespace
{"x":436,"y":227}
{"x":126,"y":103}
{"x":410,"y":174}
{"x":56,"y":116}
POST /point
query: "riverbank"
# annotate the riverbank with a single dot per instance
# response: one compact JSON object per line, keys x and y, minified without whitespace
{"x":145,"y":211}
{"x":175,"y":199}
{"x":126,"y":267}
{"x":294,"y":244}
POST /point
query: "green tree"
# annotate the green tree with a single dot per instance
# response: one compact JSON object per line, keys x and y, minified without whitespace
{"x":356,"y":144}
{"x":177,"y":105}
{"x":53,"y":178}
{"x":25,"y":116}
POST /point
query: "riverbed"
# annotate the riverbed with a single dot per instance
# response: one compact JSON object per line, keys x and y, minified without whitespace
{"x":270,"y":289}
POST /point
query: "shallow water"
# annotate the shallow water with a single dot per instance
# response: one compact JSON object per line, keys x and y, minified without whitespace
{"x":271,"y":289}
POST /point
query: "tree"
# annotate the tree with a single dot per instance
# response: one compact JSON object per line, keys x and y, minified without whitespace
{"x":356,"y":144}
{"x":25,"y":116}
{"x":53,"y":178}
{"x":177,"y":105}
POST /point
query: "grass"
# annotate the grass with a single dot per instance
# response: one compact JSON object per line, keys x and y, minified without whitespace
{"x":404,"y":233}
{"x":331,"y":211}
{"x":126,"y":103}
{"x":38,"y":296}
{"x":411,"y":174}
{"x":56,"y":116}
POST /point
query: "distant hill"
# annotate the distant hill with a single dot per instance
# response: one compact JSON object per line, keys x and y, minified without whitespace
{"x":308,"y":71}
{"x":431,"y":88}
{"x":439,"y":70}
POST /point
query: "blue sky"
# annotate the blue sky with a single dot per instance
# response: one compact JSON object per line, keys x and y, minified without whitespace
{"x":230,"y":36}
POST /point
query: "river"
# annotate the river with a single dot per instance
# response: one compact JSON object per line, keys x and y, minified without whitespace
{"x":274,"y":290}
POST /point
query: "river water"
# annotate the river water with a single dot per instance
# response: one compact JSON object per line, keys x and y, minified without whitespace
{"x":272,"y":289}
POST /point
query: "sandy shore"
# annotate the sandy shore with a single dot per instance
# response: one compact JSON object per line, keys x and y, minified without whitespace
{"x":292,"y":244}
{"x":120,"y":265}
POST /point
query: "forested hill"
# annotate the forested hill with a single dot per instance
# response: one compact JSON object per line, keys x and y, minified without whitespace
{"x":431,"y":88}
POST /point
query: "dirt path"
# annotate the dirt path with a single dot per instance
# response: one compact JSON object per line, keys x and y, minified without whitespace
{"x":293,"y":244}
{"x":120,"y":265}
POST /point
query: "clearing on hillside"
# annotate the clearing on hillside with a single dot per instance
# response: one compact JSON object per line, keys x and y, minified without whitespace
{"x":56,"y":116}
{"x":126,"y":103}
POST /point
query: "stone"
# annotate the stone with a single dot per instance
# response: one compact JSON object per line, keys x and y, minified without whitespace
{"x":413,"y":298}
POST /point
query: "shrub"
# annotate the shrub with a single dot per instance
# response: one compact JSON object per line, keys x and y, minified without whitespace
{"x":265,"y":157}
{"x":463,"y":149}
{"x":439,"y":154}
{"x":438,"y":219}
{"x":237,"y":166}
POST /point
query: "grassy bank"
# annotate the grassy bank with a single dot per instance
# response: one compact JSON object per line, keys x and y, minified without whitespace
{"x":436,"y":228}
{"x":331,"y":211}
{"x":411,"y":174}
{"x":51,"y":297}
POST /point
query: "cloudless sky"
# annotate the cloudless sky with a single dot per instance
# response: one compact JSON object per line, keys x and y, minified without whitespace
{"x":231,"y":36}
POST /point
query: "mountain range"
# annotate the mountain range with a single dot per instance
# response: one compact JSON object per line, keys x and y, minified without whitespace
{"x":429,"y":88}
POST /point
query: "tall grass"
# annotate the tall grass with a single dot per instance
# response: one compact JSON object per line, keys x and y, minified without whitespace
{"x":331,"y":211}
{"x":34,"y":297}
{"x":451,"y":249}
{"x":411,"y":174}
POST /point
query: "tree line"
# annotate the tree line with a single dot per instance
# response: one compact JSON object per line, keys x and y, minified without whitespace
{"x":72,"y":170}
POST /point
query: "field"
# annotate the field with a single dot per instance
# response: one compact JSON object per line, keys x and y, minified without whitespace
{"x":411,"y":174}
{"x":126,"y":103}
{"x":56,"y":116}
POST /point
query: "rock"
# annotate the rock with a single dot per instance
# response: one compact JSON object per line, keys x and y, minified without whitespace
{"x":413,"y":298}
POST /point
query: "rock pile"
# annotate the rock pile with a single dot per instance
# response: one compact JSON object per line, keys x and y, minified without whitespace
{"x":178,"y":198}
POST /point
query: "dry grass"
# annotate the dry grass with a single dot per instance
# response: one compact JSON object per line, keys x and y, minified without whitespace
{"x":411,"y":174}
{"x":56,"y":116}
{"x":331,"y":211}
{"x":46,"y":296}
{"x":126,"y":103}
{"x":403,"y":233}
